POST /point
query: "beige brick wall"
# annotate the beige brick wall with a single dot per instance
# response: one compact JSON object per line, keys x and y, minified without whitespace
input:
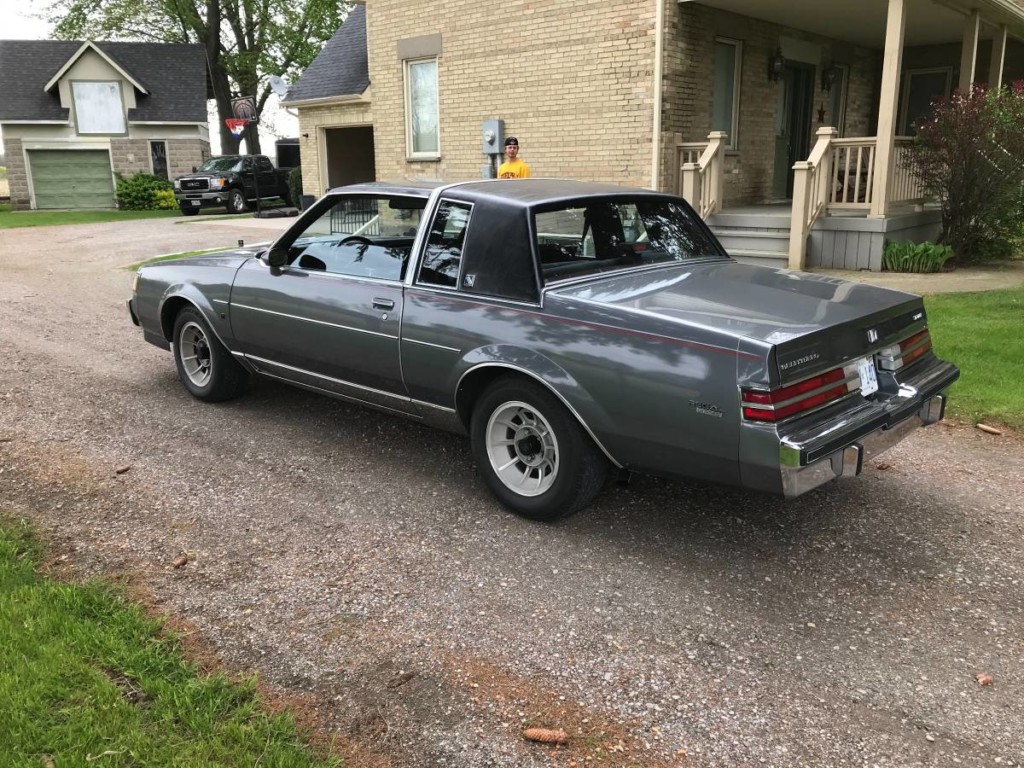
{"x":572,"y":79}
{"x":185,"y":154}
{"x":17,"y":174}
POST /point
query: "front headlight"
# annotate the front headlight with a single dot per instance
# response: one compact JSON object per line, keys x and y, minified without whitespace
{"x":177,"y":186}
{"x":216,"y":183}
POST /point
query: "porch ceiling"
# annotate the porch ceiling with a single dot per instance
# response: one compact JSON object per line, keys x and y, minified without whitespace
{"x":862,"y":22}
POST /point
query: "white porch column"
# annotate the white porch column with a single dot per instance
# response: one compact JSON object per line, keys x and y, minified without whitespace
{"x":995,"y":68}
{"x":894,"y":27}
{"x":969,"y":51}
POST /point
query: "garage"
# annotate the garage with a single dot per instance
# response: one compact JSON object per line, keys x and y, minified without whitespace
{"x":71,"y":178}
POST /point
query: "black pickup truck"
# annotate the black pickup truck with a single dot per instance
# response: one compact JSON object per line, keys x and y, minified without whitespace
{"x":234,"y":182}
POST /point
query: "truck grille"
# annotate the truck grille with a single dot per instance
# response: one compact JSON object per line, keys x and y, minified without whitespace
{"x":191,"y":184}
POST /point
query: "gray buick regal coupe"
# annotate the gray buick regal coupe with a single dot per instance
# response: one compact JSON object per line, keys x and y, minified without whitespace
{"x":568,"y":328}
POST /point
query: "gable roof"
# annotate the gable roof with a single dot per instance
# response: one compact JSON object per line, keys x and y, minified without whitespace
{"x":169,"y":78}
{"x":341,"y":68}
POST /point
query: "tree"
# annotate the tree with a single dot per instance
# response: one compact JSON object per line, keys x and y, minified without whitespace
{"x":969,"y":153}
{"x":246,"y":41}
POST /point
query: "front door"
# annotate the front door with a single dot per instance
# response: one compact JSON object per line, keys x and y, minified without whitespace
{"x":792,"y":124}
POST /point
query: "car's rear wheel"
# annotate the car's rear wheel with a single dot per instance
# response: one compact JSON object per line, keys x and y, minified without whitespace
{"x":205,"y":367}
{"x":533,"y":454}
{"x":237,"y":202}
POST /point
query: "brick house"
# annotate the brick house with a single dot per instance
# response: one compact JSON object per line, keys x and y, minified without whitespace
{"x":783,"y":122}
{"x":76,"y":114}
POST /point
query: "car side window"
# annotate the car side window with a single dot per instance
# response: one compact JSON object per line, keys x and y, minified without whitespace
{"x":442,"y":258}
{"x":264,"y":164}
{"x":359,"y":236}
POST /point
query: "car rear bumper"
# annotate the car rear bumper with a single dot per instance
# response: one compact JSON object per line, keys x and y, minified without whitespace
{"x":797,"y":457}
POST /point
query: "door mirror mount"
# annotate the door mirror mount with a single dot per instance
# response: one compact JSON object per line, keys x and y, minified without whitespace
{"x":277,"y":257}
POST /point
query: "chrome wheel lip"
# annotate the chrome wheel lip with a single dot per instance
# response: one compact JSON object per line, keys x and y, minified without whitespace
{"x":522,"y":448}
{"x":194,"y":353}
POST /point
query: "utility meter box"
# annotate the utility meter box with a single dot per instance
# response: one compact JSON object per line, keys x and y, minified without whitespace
{"x":493,"y":134}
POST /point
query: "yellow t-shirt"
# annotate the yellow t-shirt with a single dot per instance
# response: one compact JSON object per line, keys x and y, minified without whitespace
{"x":515,"y":169}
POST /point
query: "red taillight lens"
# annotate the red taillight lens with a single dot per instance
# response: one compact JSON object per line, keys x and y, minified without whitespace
{"x":915,"y":346}
{"x":778,"y":404}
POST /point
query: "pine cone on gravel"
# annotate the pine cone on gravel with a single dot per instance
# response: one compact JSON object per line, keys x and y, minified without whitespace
{"x":546,"y":735}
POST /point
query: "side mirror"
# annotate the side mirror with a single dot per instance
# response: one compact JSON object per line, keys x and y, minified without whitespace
{"x":277,"y":257}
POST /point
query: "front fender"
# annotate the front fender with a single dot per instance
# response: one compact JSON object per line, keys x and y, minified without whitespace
{"x":478,"y":367}
{"x":178,"y":295}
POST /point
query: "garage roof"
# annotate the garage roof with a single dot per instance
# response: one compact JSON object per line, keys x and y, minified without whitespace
{"x":341,"y":67}
{"x":173,"y":76}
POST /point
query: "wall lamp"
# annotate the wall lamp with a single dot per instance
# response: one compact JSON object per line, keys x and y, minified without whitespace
{"x":829,"y":76}
{"x":776,"y":63}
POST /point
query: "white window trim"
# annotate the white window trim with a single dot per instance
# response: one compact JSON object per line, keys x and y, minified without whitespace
{"x":410,"y":153}
{"x":734,"y":128}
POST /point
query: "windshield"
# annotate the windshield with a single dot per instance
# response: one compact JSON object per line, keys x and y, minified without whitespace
{"x":230,"y":163}
{"x":603,"y":235}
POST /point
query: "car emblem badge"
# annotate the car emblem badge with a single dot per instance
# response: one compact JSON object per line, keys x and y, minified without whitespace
{"x":872,"y":335}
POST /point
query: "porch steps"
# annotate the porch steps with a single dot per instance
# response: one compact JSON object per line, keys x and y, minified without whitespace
{"x":753,"y":238}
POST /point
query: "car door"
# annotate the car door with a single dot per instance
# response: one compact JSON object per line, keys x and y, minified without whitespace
{"x":267,"y":177}
{"x":330,"y":318}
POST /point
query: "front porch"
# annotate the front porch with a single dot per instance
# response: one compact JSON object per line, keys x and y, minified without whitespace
{"x":879,"y":67}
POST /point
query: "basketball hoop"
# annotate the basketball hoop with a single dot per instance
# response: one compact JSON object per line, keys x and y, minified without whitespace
{"x":236,"y":125}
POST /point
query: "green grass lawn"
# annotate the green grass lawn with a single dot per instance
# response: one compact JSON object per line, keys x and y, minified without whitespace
{"x":85,"y":677}
{"x":10,"y":219}
{"x":983,"y":333}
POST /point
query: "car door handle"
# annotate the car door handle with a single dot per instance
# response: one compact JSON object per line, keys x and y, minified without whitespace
{"x":383,"y":304}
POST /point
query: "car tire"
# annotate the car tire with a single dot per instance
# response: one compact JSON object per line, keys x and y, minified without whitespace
{"x":205,"y":367}
{"x":237,"y":202}
{"x":189,"y":211}
{"x":532,"y":452}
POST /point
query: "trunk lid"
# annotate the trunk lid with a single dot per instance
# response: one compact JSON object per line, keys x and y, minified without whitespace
{"x":813,"y":321}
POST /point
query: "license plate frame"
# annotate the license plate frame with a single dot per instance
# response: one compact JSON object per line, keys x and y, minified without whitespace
{"x":868,"y":376}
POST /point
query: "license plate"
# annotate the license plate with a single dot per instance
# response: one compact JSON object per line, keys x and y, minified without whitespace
{"x":868,"y":378}
{"x":196,"y":202}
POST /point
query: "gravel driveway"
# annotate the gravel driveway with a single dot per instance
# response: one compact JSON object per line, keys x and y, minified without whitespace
{"x":358,"y":561}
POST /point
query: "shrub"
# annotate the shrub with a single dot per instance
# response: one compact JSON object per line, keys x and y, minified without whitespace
{"x":915,"y":257}
{"x":164,"y":199}
{"x":969,"y":153}
{"x":295,"y":185}
{"x":139,"y":192}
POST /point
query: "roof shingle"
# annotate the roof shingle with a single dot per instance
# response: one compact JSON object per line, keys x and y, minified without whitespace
{"x":340,"y":69}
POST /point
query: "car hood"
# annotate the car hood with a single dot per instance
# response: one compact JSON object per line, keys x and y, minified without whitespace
{"x":770,"y":305}
{"x":231,"y":259}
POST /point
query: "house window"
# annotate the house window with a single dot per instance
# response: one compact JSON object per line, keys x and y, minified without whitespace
{"x":158,"y":157}
{"x":99,"y":107}
{"x":725,"y":107}
{"x":421,"y":114}
{"x":920,"y":88}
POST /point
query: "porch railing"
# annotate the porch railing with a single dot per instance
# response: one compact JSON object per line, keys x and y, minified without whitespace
{"x":700,"y":178}
{"x":839,"y":175}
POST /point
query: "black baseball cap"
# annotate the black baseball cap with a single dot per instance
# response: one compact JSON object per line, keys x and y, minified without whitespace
{"x":511,"y":140}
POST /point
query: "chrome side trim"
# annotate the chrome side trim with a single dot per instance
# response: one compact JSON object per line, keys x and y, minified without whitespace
{"x":314,"y":374}
{"x":221,"y":301}
{"x":555,"y":392}
{"x":434,"y":346}
{"x":474,"y":298}
{"x":317,"y":322}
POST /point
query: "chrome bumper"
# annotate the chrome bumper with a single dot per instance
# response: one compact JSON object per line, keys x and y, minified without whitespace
{"x":849,"y":460}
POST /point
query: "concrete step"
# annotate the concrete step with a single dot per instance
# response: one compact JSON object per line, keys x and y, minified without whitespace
{"x":753,"y":239}
{"x":761,"y":258}
{"x":765,"y":221}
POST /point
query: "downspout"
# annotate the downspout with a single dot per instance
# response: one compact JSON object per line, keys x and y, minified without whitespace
{"x":659,"y":45}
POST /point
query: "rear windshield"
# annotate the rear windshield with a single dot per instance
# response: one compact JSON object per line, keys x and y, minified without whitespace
{"x":595,"y":236}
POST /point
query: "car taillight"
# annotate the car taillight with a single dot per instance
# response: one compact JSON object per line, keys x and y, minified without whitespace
{"x":781,"y":403}
{"x":894,"y":357}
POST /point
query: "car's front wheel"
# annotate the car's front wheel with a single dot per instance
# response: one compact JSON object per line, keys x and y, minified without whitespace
{"x":533,"y":454}
{"x":189,"y":211}
{"x":237,"y":202}
{"x":205,"y":367}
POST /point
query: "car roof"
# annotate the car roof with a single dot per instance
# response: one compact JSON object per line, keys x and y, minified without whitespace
{"x":526,"y":193}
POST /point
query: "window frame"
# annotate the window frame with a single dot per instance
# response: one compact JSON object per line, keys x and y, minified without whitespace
{"x":75,"y":109}
{"x":167,"y":159}
{"x":737,"y":78}
{"x":908,"y":75}
{"x":411,"y":153}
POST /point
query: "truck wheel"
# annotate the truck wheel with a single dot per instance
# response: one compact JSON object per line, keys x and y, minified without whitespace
{"x":533,"y":454}
{"x":237,"y":202}
{"x":205,"y":367}
{"x":189,"y":211}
